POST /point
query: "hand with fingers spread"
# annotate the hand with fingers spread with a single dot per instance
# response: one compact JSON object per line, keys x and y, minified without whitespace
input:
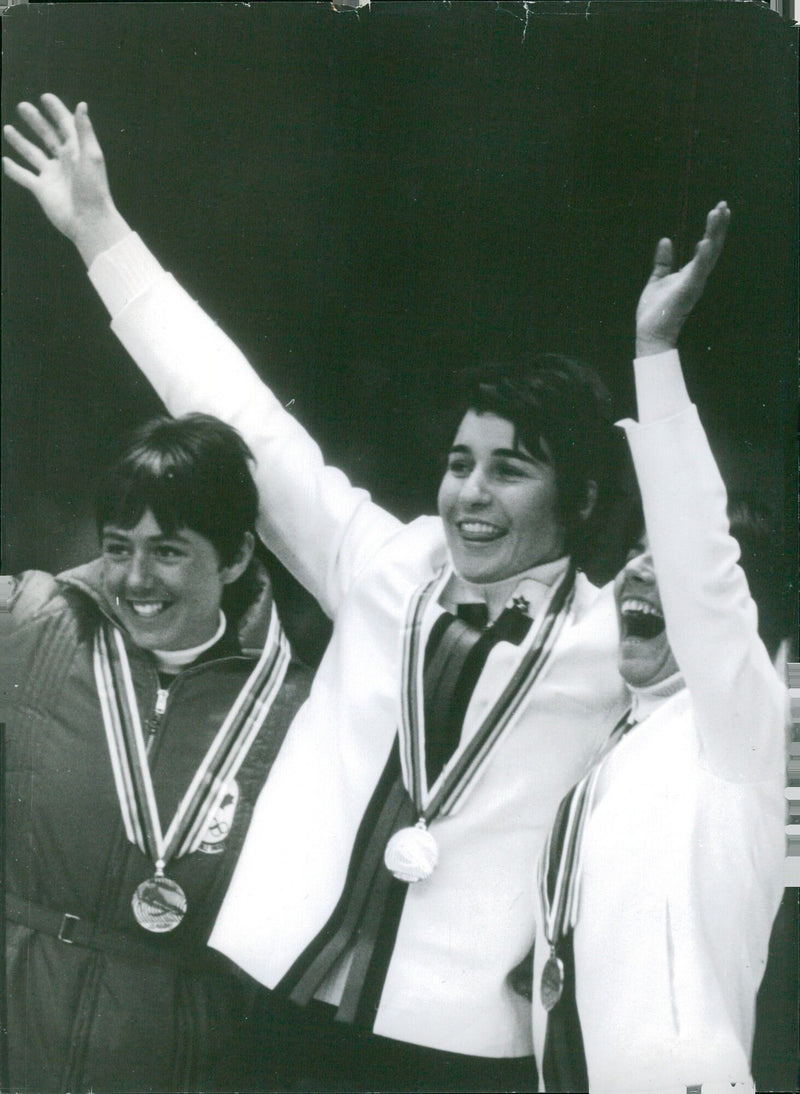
{"x":669,"y":296}
{"x":67,"y":176}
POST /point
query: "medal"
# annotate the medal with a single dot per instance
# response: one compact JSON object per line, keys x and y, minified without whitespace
{"x":159,"y":904}
{"x":205,"y":812}
{"x":552,"y":982}
{"x":560,"y":868}
{"x":411,"y":854}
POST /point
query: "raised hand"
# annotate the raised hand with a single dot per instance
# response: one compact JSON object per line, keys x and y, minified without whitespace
{"x":669,"y":296}
{"x":67,"y":174}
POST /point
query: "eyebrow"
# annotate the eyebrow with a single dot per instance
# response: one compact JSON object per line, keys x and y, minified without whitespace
{"x":122,"y":533}
{"x":502,"y":453}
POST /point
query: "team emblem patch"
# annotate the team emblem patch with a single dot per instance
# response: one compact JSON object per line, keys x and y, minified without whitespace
{"x":220,"y":822}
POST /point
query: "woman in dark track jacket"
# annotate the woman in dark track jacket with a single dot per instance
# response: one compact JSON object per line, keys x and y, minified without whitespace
{"x":111,"y":887}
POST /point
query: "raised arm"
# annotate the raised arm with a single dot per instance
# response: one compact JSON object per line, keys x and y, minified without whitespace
{"x":320,"y":526}
{"x":710,"y":617}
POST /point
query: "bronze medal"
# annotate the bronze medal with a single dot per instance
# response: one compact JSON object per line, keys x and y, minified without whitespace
{"x":552,"y":982}
{"x":159,"y":904}
{"x":205,"y":812}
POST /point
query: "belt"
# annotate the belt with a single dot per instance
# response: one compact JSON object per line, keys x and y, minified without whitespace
{"x":74,"y":930}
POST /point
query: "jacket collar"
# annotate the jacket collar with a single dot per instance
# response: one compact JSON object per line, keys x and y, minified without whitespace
{"x":526,"y":591}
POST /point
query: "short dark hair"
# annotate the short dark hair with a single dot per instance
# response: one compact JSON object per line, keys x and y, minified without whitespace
{"x":190,"y":472}
{"x":562,"y":402}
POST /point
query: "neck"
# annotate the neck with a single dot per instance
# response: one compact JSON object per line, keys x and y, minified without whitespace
{"x":496,"y":594}
{"x":172,"y":661}
{"x":644,"y":700}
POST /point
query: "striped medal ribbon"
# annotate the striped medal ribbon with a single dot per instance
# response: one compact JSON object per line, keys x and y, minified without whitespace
{"x":159,"y":903}
{"x":412,"y":853}
{"x":560,"y":868}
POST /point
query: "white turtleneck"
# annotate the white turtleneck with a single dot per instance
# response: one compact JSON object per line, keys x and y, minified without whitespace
{"x":644,"y":700}
{"x":172,"y":661}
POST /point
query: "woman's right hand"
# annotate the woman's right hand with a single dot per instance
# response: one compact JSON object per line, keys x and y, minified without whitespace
{"x":68,"y":178}
{"x":669,"y":296}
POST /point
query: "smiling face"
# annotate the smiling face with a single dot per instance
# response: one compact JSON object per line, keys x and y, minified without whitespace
{"x":499,"y":505}
{"x":166,"y":590}
{"x":645,"y":656}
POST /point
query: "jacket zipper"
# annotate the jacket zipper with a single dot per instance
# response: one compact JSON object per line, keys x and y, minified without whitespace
{"x":154,"y":721}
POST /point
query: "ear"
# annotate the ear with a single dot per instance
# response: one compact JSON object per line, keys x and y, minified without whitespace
{"x":234,"y":571}
{"x":590,"y":500}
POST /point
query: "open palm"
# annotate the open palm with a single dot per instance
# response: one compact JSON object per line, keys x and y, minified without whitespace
{"x":66,"y":173}
{"x":68,"y":178}
{"x":669,"y":296}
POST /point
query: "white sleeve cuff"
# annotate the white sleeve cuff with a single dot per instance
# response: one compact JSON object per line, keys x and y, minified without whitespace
{"x":660,"y":387}
{"x":123,"y":272}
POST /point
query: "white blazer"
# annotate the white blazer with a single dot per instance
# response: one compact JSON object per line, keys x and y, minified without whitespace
{"x":682,"y":868}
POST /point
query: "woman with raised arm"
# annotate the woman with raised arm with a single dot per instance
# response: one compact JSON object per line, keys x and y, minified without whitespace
{"x":664,"y":870}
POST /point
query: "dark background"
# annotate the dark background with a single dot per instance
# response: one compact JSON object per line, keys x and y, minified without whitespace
{"x":369,"y":202}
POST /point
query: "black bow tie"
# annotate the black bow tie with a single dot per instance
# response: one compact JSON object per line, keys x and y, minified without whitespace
{"x":477,"y":614}
{"x":511,"y":625}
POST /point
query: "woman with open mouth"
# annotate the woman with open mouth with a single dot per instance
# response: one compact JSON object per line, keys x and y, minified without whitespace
{"x":664,"y":871}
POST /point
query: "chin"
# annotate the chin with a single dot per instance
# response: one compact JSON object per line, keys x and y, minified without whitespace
{"x":146,"y":637}
{"x":149,"y":641}
{"x":635,"y":676}
{"x":645,"y":673}
{"x":479,"y":574}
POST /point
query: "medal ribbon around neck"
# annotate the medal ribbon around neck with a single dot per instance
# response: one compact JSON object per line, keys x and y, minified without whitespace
{"x":227,"y":752}
{"x":562,"y":908}
{"x":463,"y":771}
